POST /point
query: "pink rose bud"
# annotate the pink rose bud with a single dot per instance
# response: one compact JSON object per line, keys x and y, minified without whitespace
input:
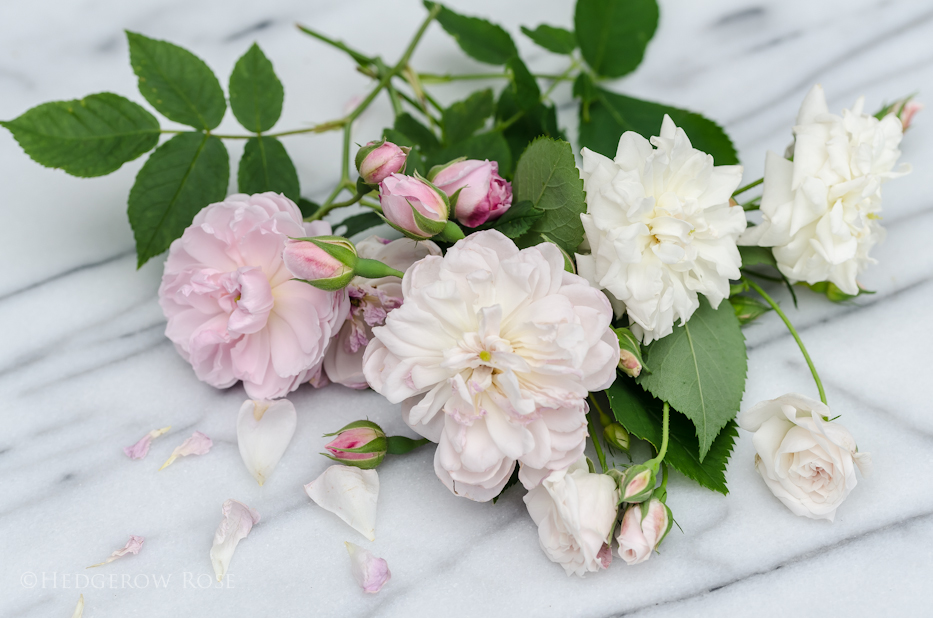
{"x":630,"y":359}
{"x":325,"y":262}
{"x":376,"y":161}
{"x":414,"y":206}
{"x":637,"y":483}
{"x":483,"y":194}
{"x":906,"y":110}
{"x":362,"y":444}
{"x":643,"y":528}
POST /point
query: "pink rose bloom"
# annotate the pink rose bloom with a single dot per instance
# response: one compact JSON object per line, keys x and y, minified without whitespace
{"x":398,"y":194}
{"x":370,"y":302}
{"x":234,"y":311}
{"x":484,"y":195}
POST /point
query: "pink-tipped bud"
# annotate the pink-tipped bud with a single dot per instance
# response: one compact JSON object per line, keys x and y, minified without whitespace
{"x":637,"y":483}
{"x":376,"y":161}
{"x":630,"y":359}
{"x":643,"y":528}
{"x":414,"y":206}
{"x":483,"y":196}
{"x":362,"y":444}
{"x":326,"y":262}
{"x":906,"y":110}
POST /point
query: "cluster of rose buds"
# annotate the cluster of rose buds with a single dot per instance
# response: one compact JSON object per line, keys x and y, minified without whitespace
{"x":470,"y":190}
{"x":646,"y":518}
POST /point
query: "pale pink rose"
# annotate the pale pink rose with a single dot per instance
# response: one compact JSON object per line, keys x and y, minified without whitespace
{"x":640,"y":535}
{"x":234,"y":312}
{"x":398,"y":194}
{"x":492,"y":355}
{"x":381,"y":161}
{"x":484,"y":194}
{"x":370,"y":301}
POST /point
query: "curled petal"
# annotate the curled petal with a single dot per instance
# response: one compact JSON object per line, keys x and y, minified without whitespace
{"x":141,"y":448}
{"x":351,"y":494}
{"x":132,"y":547}
{"x":238,"y":520}
{"x":79,"y":608}
{"x":197,"y":444}
{"x":370,"y":572}
{"x":263,"y":431}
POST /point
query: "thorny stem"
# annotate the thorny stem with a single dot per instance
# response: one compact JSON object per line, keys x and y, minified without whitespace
{"x":793,"y":331}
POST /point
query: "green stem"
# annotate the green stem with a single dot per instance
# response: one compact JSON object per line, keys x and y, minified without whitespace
{"x":762,"y":276}
{"x":330,"y":125}
{"x":357,"y":56}
{"x":793,"y":331}
{"x":665,"y":433}
{"x":444,"y":78}
{"x":753,"y":204}
{"x":505,"y":124}
{"x":750,"y":185}
{"x":594,"y":434}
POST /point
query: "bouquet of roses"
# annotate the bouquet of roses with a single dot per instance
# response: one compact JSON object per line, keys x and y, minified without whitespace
{"x":528,"y":306}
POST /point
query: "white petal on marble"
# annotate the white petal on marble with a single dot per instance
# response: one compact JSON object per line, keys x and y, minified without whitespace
{"x":79,"y":608}
{"x":132,"y":547}
{"x":238,"y":520}
{"x":349,"y":493}
{"x":370,"y":572}
{"x":263,"y":432}
{"x":197,"y":444}
{"x":84,"y":361}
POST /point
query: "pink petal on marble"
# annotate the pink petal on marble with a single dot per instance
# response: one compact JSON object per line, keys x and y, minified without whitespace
{"x":141,"y":448}
{"x":197,"y":444}
{"x":370,"y":572}
{"x":132,"y":547}
{"x":238,"y":520}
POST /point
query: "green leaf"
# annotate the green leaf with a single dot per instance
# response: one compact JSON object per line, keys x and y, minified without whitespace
{"x":748,"y":309}
{"x":86,"y":137}
{"x":266,"y":166}
{"x":517,"y":220}
{"x":182,"y":176}
{"x":477,"y":37}
{"x":417,"y":133}
{"x":176,"y":82}
{"x":613,"y":34}
{"x":757,"y":255}
{"x":490,"y":146}
{"x":464,"y":118}
{"x":359,"y":223}
{"x":256,"y":94}
{"x":523,"y":83}
{"x":547,"y":176}
{"x":641,"y":414}
{"x":551,"y":38}
{"x":400,"y":445}
{"x":610,"y":115}
{"x":539,"y":120}
{"x":700,"y":370}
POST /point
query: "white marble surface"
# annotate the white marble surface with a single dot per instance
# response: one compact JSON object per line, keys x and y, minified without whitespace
{"x":85,"y":369}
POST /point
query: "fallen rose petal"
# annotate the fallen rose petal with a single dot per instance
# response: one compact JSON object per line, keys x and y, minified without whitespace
{"x":132,"y":547}
{"x":238,"y":520}
{"x":370,"y":572}
{"x":263,"y":432}
{"x":79,"y":608}
{"x":141,"y":448}
{"x":197,"y":444}
{"x":350,"y":493}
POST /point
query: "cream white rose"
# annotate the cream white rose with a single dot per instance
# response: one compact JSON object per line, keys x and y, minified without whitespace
{"x":575,"y":511}
{"x":660,"y":228}
{"x":820,"y":211}
{"x":807,"y":462}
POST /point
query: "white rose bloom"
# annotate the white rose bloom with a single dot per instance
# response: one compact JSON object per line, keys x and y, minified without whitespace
{"x":807,"y":462}
{"x":820,"y":211}
{"x":660,"y":228}
{"x":492,"y":354}
{"x":575,"y":511}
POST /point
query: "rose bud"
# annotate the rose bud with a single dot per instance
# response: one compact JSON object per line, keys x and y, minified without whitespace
{"x":905,"y":110}
{"x":630,"y":360}
{"x":481,"y":193}
{"x":376,"y":161}
{"x":414,"y":206}
{"x":637,"y":483}
{"x":616,"y":435}
{"x":643,"y":528}
{"x":326,"y":262}
{"x":362,"y":444}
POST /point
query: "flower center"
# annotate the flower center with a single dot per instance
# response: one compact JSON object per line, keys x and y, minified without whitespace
{"x":485,"y":356}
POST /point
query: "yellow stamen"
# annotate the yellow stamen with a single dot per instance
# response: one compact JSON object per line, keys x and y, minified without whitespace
{"x":485,"y":356}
